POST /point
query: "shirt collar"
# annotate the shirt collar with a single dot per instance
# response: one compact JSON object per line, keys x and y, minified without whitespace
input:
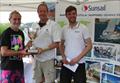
{"x":48,"y":22}
{"x":76,"y":26}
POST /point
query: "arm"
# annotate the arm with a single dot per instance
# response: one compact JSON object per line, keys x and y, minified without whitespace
{"x":56,"y":35}
{"x":28,"y":45}
{"x":6,"y":52}
{"x":50,"y":47}
{"x":62,"y":48}
{"x":88,"y":47}
{"x":0,"y":51}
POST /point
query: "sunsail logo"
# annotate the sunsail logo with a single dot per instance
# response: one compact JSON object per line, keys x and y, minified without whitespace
{"x":94,"y":8}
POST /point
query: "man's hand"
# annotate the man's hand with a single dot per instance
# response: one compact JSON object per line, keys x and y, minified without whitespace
{"x":28,"y":45}
{"x":23,"y":53}
{"x":40,"y":50}
{"x":74,"y":61}
{"x":64,"y":60}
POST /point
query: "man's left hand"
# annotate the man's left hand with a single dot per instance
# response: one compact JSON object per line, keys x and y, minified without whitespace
{"x":74,"y":61}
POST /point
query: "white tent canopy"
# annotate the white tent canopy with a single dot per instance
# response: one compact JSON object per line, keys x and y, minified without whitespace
{"x":31,"y":5}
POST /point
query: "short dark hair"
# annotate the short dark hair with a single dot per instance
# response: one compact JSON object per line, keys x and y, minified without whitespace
{"x":42,"y":4}
{"x":70,"y":8}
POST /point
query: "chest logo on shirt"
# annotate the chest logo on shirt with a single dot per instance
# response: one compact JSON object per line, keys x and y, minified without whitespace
{"x":16,"y":42}
{"x":77,"y":31}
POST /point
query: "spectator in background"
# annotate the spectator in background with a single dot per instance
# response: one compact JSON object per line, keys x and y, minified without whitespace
{"x":75,"y":44}
{"x":12,"y":49}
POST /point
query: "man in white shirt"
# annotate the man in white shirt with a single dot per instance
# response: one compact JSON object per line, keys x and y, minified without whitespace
{"x":47,"y":39}
{"x":75,"y":44}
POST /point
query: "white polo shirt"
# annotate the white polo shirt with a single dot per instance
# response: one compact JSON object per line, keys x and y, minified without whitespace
{"x":74,"y":40}
{"x":45,"y":36}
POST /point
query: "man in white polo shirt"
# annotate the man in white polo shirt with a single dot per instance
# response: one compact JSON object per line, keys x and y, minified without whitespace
{"x":76,"y":43}
{"x":47,"y":39}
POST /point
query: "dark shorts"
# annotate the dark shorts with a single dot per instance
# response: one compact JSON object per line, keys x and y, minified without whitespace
{"x":11,"y":76}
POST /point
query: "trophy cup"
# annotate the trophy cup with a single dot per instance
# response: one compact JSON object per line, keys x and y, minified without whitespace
{"x":32,"y":35}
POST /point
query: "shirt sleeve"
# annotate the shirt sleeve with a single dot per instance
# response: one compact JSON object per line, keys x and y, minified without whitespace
{"x":5,"y":39}
{"x":85,"y":31}
{"x":56,"y":33}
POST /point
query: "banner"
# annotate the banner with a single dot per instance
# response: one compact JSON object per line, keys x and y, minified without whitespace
{"x":103,"y":22}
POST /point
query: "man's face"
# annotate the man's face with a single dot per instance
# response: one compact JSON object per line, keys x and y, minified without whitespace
{"x":42,"y":12}
{"x":71,"y":16}
{"x":15,"y":20}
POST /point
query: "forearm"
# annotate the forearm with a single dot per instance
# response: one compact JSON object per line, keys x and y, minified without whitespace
{"x":9,"y":53}
{"x":84,"y":52}
{"x":61,"y":48}
{"x":0,"y":53}
{"x":87,"y":49}
{"x":51,"y":46}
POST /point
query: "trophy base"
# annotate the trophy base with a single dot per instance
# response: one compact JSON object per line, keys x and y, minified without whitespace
{"x":32,"y":51}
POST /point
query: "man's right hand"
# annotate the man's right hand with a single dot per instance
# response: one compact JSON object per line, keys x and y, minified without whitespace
{"x":23,"y":53}
{"x":40,"y":50}
{"x":64,"y":60}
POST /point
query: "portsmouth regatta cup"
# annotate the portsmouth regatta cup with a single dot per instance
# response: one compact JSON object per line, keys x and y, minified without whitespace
{"x":32,"y":32}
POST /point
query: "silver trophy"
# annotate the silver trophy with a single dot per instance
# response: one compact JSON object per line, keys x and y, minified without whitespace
{"x":32,"y":33}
